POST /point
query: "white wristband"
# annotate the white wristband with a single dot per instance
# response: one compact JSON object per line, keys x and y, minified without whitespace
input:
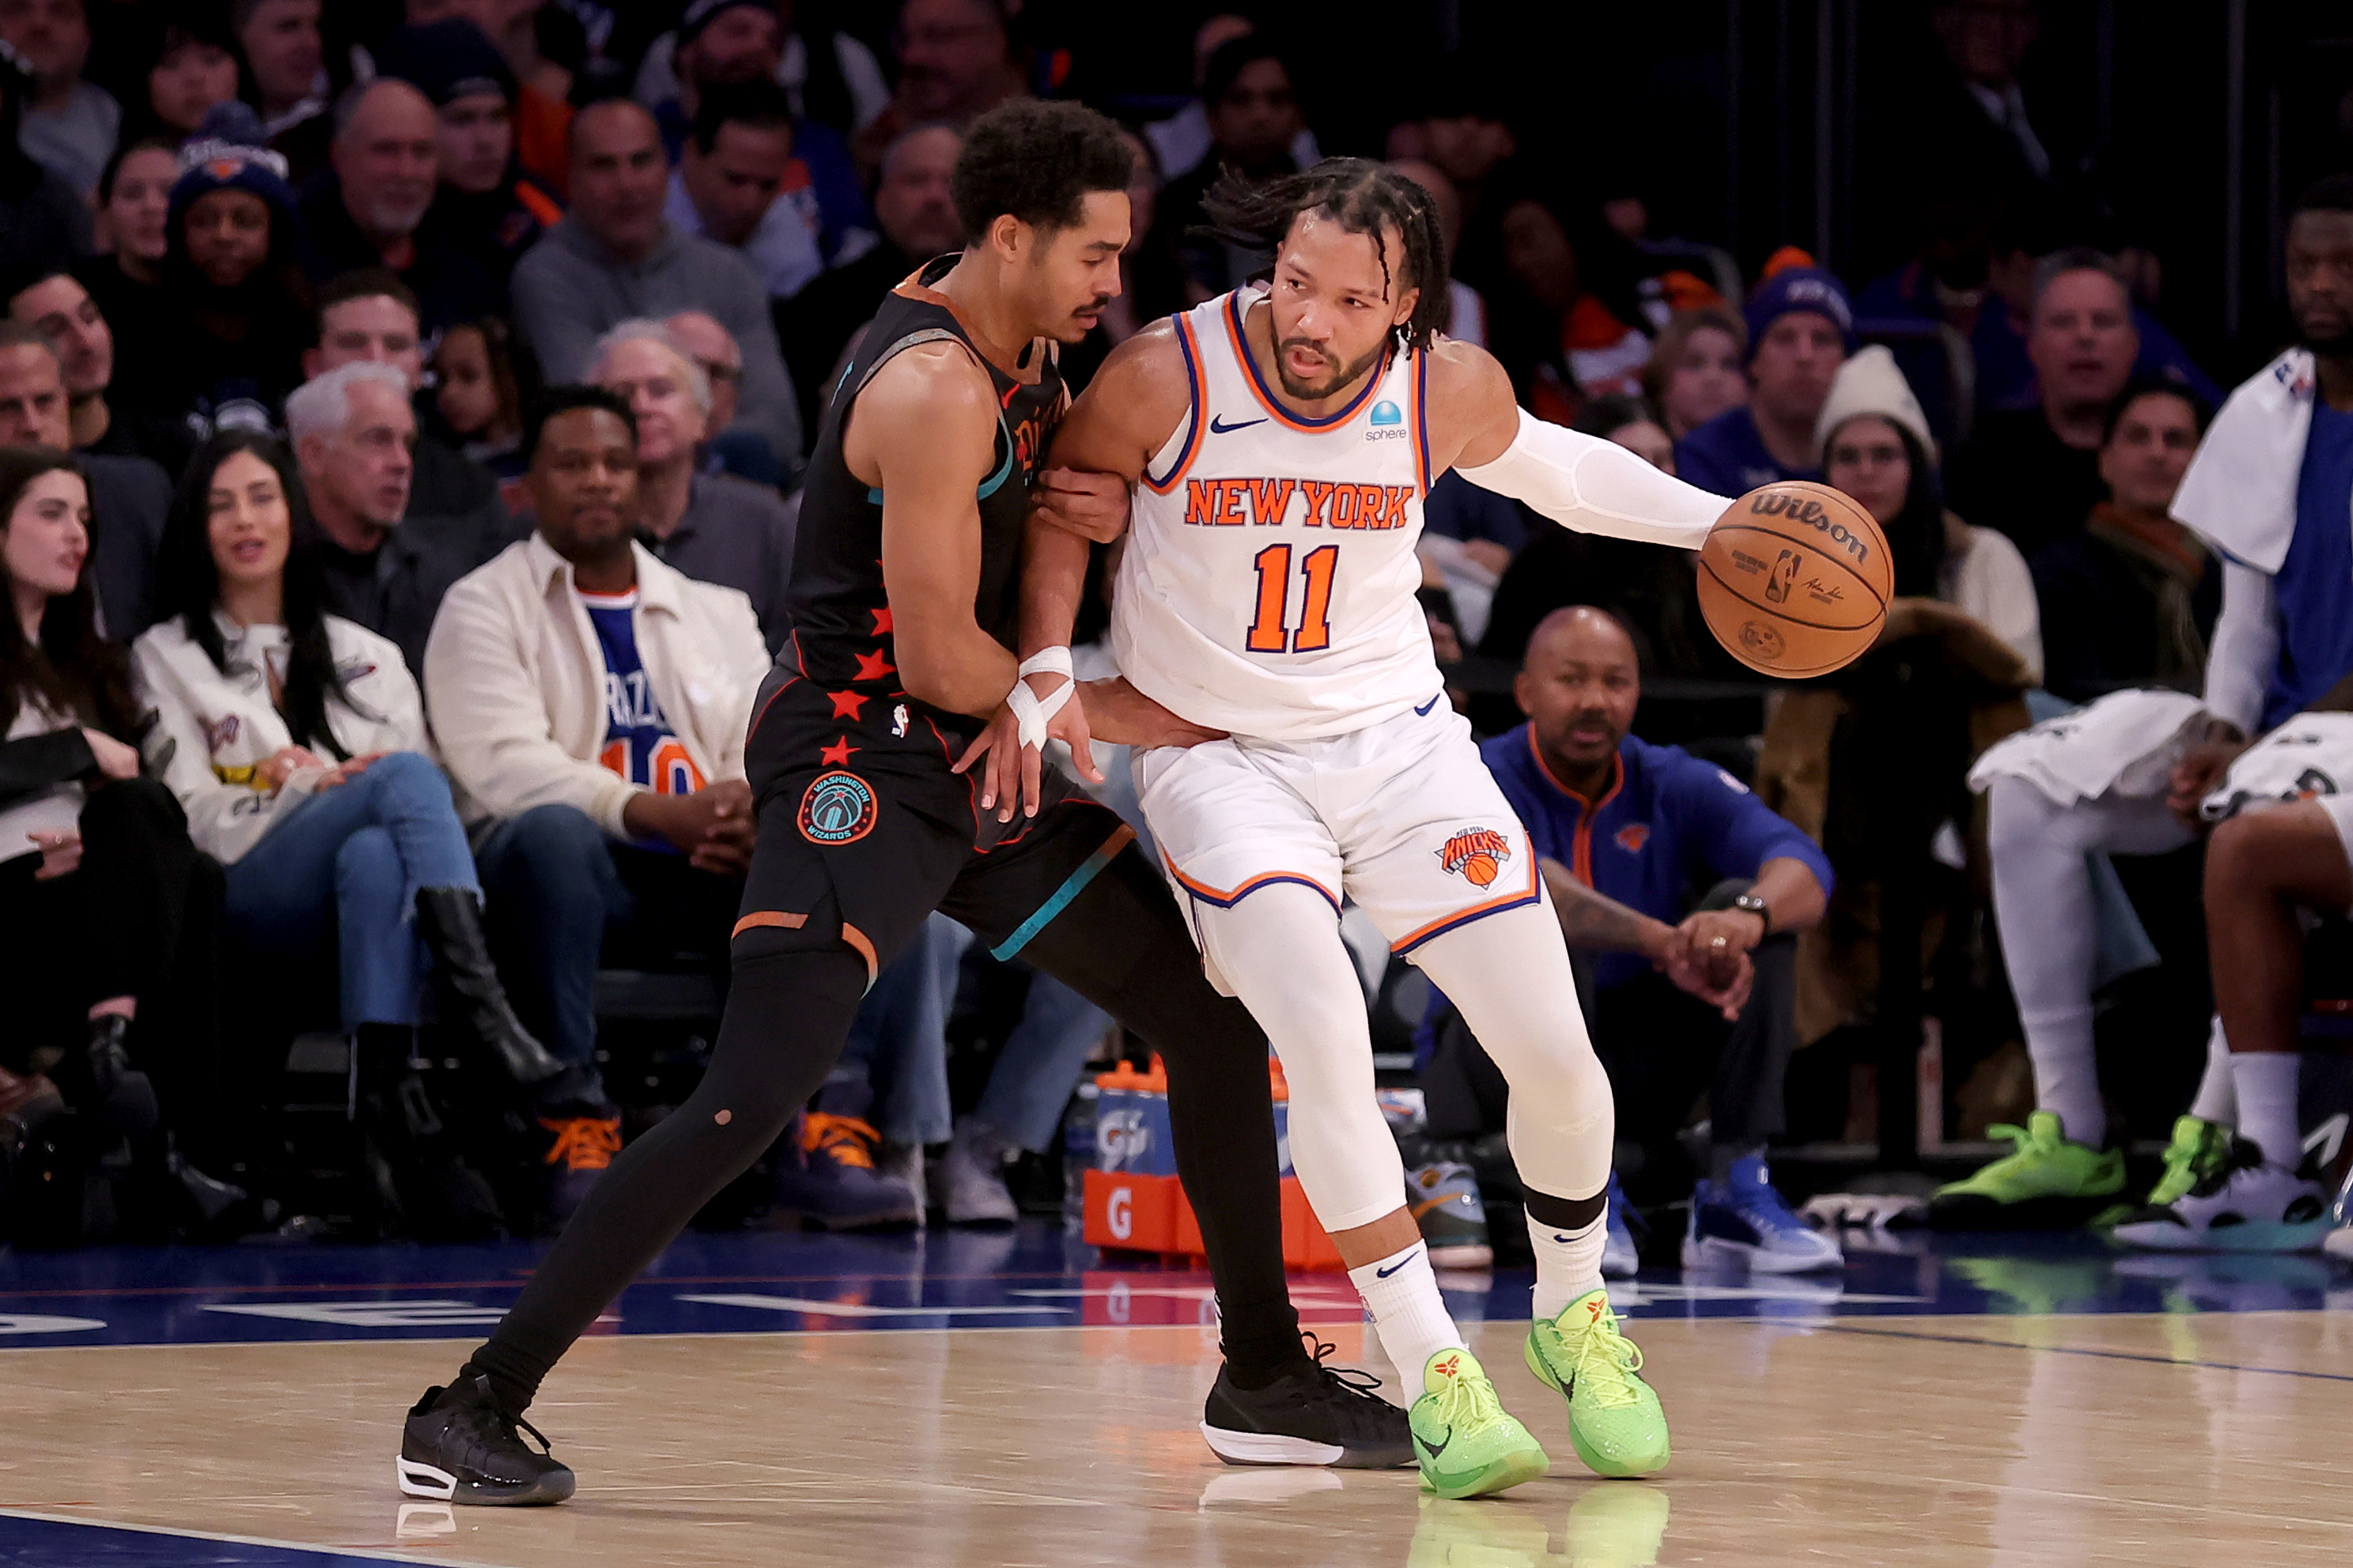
{"x":1031,"y":710}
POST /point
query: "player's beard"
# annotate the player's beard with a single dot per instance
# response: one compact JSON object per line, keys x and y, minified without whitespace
{"x":2337,"y":344}
{"x":1313,"y":392}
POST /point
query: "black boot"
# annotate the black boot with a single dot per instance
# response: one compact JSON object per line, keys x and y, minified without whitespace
{"x":99,"y":1080}
{"x":424,"y":1187}
{"x":450,"y":921}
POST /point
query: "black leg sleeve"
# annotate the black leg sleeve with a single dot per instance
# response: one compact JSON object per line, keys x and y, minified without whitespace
{"x":1123,"y":945}
{"x":788,"y":1014}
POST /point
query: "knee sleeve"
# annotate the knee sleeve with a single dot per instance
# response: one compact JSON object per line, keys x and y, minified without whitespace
{"x":1509,"y":976}
{"x":1280,"y":948}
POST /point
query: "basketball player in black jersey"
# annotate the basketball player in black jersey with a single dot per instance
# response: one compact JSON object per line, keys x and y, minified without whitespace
{"x":904,"y":601}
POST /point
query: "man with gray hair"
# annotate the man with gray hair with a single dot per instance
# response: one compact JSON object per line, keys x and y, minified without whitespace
{"x":714,"y":527}
{"x":355,"y":435}
{"x":369,"y":209}
{"x":2033,"y":473}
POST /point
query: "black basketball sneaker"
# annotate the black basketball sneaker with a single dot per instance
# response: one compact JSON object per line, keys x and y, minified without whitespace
{"x":1311,"y":1415}
{"x":459,"y":1448}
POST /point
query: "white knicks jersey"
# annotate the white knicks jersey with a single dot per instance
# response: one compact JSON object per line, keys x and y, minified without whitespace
{"x":1267,"y":584}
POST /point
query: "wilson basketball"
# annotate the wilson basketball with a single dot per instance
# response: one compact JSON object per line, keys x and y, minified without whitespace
{"x":1794,"y":580}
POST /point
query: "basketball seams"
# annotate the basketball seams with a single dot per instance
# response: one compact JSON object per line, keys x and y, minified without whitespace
{"x":1789,"y":541}
{"x":1774,"y":612}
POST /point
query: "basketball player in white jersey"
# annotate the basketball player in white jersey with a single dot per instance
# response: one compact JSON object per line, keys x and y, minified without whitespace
{"x":1282,"y":440}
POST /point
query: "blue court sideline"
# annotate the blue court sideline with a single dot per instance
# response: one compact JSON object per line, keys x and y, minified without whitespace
{"x":753,"y":1282}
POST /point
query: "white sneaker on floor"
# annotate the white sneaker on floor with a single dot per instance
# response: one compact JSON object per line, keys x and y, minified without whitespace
{"x":970,"y":1186}
{"x":2245,"y":1206}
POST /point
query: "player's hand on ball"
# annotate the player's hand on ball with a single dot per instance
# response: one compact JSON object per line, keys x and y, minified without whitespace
{"x":1092,"y":506}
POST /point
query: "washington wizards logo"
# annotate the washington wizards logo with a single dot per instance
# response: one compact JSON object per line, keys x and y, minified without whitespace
{"x":1477,"y":852}
{"x":836,"y":808}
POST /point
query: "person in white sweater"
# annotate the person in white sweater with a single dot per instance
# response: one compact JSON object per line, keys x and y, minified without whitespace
{"x":1964,"y":585}
{"x":107,"y":911}
{"x":592,"y":704}
{"x":296,"y":742}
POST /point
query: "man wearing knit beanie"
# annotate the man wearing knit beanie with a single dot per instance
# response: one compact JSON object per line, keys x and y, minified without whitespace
{"x":1801,"y":329}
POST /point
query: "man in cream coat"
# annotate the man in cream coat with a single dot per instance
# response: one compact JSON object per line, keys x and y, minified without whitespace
{"x":591,"y":705}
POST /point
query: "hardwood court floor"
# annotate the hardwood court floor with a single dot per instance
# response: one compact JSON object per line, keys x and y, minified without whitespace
{"x":2005,"y":1440}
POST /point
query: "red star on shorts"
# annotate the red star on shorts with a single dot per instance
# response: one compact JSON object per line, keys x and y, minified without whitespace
{"x":875,"y":666}
{"x":846,"y":704}
{"x":882,"y":621}
{"x":838,"y":754}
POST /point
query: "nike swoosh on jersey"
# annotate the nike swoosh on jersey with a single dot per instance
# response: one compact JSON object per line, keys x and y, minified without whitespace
{"x":1219,"y":428}
{"x":1423,"y":711}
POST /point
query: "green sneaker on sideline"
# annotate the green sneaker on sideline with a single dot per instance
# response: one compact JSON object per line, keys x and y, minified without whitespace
{"x":1613,"y":1415}
{"x":2049,"y":1181}
{"x":2199,"y":1148}
{"x":1467,"y":1443}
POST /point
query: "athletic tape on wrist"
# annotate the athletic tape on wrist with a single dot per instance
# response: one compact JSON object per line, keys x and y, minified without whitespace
{"x":1031,"y":711}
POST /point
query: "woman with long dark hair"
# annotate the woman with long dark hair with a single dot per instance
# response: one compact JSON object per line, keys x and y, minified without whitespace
{"x":296,"y":741}
{"x":107,"y":910}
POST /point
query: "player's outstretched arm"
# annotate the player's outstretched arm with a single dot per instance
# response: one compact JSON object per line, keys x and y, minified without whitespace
{"x":927,"y":426}
{"x":1579,"y":482}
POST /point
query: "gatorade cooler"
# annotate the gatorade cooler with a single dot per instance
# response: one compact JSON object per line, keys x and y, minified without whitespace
{"x":1134,"y":1200}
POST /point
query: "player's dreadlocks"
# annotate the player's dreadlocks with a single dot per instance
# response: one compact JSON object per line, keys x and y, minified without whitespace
{"x":1361,"y":196}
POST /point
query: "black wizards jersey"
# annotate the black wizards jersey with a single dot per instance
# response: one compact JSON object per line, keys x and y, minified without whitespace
{"x":836,"y":686}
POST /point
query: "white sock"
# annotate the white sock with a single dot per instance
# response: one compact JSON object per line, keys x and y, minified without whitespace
{"x":2266,"y":1084}
{"x":2217,"y":1097}
{"x":1401,"y":1293}
{"x":1568,"y":1263}
{"x":2066,"y":1070}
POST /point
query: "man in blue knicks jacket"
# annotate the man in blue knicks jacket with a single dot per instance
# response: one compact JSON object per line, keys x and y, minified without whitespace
{"x":1687,"y":893}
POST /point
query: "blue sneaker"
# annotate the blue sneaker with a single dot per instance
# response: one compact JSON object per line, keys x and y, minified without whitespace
{"x":1620,"y":1259}
{"x":1743,"y":1221}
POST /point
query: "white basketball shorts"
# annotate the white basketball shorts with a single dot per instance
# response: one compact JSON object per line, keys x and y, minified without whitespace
{"x":2309,"y":757}
{"x":1402,"y":816}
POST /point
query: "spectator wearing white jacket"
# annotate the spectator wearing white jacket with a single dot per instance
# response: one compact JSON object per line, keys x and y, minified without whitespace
{"x":592,"y":704}
{"x":296,"y":745}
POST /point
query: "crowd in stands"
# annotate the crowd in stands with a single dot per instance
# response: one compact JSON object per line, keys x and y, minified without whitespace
{"x":400,"y":429}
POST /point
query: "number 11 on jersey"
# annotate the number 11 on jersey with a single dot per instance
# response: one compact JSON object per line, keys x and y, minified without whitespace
{"x":1268,"y":633}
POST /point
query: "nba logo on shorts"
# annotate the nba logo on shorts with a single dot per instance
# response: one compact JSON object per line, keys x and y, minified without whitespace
{"x":838,"y":808}
{"x":1477,"y":852}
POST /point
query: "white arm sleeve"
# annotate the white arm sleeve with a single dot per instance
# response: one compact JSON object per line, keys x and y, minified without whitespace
{"x":2245,"y":648}
{"x":1597,"y":487}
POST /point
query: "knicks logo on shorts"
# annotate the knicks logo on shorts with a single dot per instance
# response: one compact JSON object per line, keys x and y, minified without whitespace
{"x":836,"y":808}
{"x":1477,"y":852}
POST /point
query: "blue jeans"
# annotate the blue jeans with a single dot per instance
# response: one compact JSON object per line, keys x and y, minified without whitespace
{"x":350,"y":860}
{"x":898,"y":1043}
{"x":559,"y":891}
{"x":1030,"y":1082}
